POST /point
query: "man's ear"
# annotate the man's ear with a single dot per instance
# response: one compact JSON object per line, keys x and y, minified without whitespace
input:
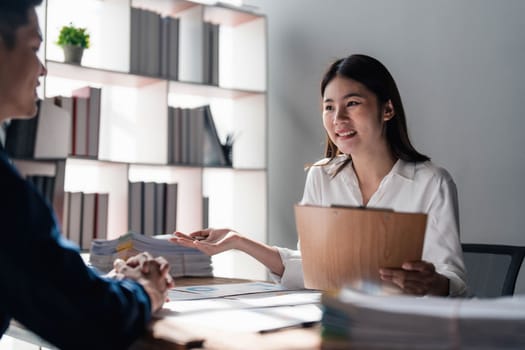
{"x":388,"y":111}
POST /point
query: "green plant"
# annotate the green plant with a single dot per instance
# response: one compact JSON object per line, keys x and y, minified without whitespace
{"x":71,"y":35}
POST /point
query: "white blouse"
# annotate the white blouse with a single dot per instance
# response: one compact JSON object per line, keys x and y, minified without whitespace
{"x":408,"y":187}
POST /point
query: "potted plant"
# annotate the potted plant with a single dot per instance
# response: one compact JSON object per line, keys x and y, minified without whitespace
{"x":73,"y":41}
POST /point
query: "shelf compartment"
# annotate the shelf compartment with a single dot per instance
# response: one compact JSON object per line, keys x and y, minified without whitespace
{"x":108,"y":23}
{"x":189,"y":199}
{"x":102,"y":177}
{"x":244,"y":117}
{"x":237,"y":200}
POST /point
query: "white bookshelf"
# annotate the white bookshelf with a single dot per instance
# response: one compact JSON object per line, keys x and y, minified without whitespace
{"x":133,"y":121}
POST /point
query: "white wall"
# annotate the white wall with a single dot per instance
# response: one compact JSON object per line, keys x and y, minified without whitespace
{"x":459,"y":65}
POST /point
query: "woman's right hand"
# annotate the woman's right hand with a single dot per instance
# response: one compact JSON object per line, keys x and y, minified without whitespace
{"x":209,"y":241}
{"x":212,"y":241}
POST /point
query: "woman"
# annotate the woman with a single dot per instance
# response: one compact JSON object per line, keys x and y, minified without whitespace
{"x":369,"y":162}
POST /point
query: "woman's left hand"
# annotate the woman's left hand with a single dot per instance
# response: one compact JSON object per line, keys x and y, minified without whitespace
{"x":417,"y":277}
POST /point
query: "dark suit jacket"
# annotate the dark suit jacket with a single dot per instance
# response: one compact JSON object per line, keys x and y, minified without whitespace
{"x":45,"y":285}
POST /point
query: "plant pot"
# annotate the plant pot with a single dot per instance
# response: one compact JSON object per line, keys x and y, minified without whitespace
{"x":73,"y":54}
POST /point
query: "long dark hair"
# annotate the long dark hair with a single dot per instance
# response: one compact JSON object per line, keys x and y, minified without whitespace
{"x":374,"y":75}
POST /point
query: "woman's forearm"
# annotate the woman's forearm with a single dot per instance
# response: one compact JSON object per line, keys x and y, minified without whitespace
{"x":267,"y":255}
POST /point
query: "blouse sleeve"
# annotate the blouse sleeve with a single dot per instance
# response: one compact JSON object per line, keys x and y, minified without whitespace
{"x":292,"y":277}
{"x":312,"y":188}
{"x":442,"y":244}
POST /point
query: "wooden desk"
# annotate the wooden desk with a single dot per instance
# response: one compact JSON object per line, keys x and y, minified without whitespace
{"x":167,"y":333}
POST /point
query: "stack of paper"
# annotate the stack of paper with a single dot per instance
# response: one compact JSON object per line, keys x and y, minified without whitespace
{"x":183,"y":261}
{"x":356,"y":320}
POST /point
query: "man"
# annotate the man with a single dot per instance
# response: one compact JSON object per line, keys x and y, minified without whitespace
{"x":44,"y":283}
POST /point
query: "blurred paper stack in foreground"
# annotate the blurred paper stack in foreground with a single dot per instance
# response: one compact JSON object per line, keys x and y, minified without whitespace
{"x":184,"y":261}
{"x":360,"y":321}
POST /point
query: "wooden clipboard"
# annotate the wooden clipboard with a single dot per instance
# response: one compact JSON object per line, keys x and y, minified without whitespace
{"x":347,"y":246}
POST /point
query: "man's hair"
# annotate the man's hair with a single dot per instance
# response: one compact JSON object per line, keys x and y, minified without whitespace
{"x":14,"y":14}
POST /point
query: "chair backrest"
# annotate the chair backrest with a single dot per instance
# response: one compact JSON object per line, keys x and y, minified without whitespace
{"x":492,"y":270}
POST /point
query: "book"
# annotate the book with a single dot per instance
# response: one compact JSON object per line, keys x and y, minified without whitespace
{"x":88,"y":220}
{"x":58,"y":197}
{"x":206,"y":52}
{"x":152,"y":44}
{"x":191,"y":45}
{"x":210,"y":61}
{"x":205,"y":211}
{"x":143,"y":39}
{"x":135,"y":198}
{"x":185,"y":133}
{"x":196,"y":135}
{"x":347,"y":246}
{"x":93,"y":96}
{"x":65,"y":215}
{"x":171,"y":208}
{"x":148,"y":209}
{"x":176,"y":135}
{"x":214,"y":64}
{"x":160,"y":208}
{"x":173,"y":48}
{"x":134,"y":47}
{"x":101,"y":215}
{"x":164,"y":46}
{"x":80,"y":126}
{"x":212,"y":148}
{"x":52,"y":132}
{"x":67,"y":103}
{"x":75,"y":217}
{"x":171,"y":135}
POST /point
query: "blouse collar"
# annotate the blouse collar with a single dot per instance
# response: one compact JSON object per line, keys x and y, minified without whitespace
{"x":401,"y":168}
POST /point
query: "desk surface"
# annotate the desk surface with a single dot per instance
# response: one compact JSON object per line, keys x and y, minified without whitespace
{"x":167,"y":333}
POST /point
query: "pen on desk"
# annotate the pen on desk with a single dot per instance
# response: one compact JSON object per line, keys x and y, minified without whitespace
{"x":298,"y":325}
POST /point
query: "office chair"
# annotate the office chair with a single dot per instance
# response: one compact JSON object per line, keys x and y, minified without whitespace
{"x":492,"y":270}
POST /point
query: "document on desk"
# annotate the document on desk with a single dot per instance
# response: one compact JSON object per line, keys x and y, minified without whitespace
{"x":244,"y":307}
{"x":261,"y":320}
{"x":246,"y":301}
{"x":222,"y":290}
{"x":239,"y":295}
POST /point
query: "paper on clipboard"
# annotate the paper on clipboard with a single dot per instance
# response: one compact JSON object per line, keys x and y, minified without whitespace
{"x":349,"y":245}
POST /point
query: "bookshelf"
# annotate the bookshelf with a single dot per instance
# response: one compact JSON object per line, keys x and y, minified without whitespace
{"x":133,"y":126}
